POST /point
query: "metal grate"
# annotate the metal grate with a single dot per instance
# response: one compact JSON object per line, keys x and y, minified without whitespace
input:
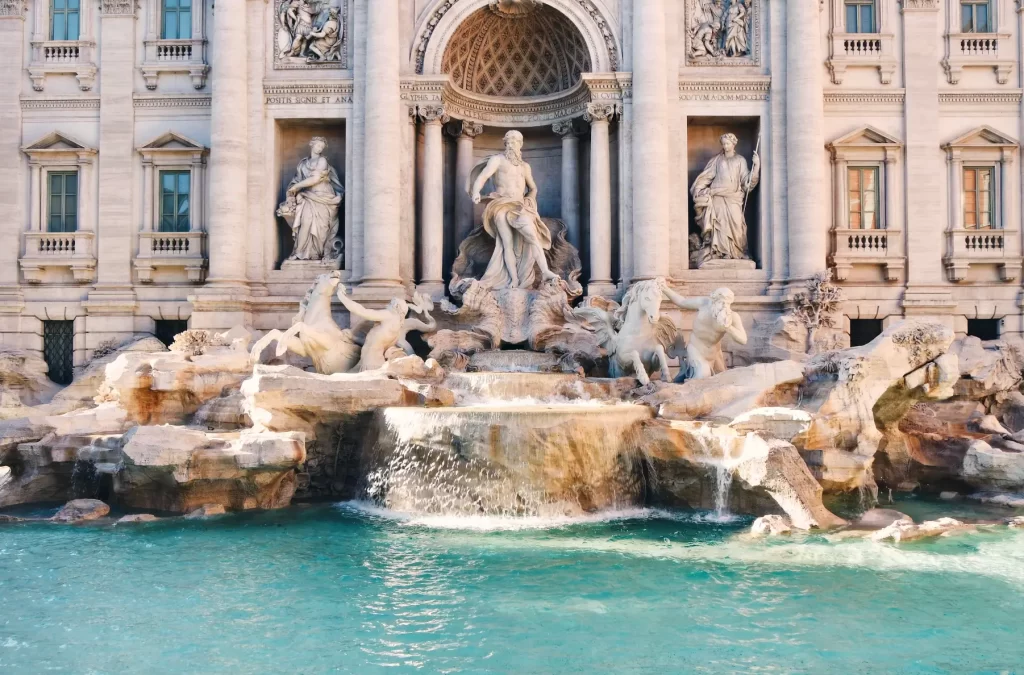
{"x":59,"y":350}
{"x":168,"y":329}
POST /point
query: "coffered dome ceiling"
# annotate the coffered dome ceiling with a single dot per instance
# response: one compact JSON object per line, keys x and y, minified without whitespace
{"x":526,"y":53}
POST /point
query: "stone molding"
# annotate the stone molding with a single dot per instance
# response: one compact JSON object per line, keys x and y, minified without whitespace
{"x":749,"y":89}
{"x":752,"y":59}
{"x":12,"y":8}
{"x":857,"y":100}
{"x":119,"y":7}
{"x":172,"y":101}
{"x":588,"y":17}
{"x":600,"y":112}
{"x":308,"y":93}
{"x":980,"y":97}
{"x":465,"y":129}
{"x":70,"y":103}
{"x":298,"y":64}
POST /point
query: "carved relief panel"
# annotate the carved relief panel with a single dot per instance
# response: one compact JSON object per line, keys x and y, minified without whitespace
{"x":310,"y":34}
{"x":723,"y":32}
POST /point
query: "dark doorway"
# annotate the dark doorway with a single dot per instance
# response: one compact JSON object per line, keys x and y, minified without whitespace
{"x":168,"y":329}
{"x":59,"y":350}
{"x":985,"y":329}
{"x":863,"y":331}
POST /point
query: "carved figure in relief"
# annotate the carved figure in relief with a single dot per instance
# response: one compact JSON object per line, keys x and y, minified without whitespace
{"x":634,"y":333}
{"x":736,"y":31}
{"x":325,"y":41}
{"x":314,"y":333}
{"x":311,"y":207}
{"x":511,"y":218}
{"x":391,"y":327}
{"x":706,"y":27}
{"x":719,"y":197}
{"x":714,"y":321}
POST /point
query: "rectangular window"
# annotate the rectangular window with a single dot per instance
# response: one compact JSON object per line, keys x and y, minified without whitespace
{"x":59,"y":350}
{"x":62,"y":198}
{"x":174,"y":201}
{"x":862,"y":199}
{"x":863,"y":331}
{"x":976,"y":16}
{"x":984,"y":329}
{"x":177,"y":20}
{"x":168,"y":329}
{"x":979,"y":198}
{"x":64,"y":17}
{"x":860,"y":16}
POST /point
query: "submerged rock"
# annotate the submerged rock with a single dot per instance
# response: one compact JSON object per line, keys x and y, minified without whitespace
{"x":1016,"y":523}
{"x":771,"y":525}
{"x":81,"y":510}
{"x":986,"y":467}
{"x":137,"y":518}
{"x":207,"y":511}
{"x":878,"y":519}
{"x":902,"y":530}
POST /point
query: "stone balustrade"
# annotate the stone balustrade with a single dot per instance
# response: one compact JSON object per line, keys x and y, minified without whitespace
{"x":72,"y":251}
{"x":870,"y":50}
{"x":867,"y":247}
{"x":58,"y":57}
{"x":181,"y":250}
{"x":987,"y":50}
{"x":991,"y":246}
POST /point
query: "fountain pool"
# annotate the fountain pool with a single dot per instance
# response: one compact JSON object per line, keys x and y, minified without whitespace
{"x":345,"y":588}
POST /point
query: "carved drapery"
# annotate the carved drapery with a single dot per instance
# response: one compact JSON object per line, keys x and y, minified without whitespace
{"x":322,"y":41}
{"x":723,"y":32}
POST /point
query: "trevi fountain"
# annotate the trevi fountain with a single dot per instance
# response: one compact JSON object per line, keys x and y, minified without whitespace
{"x":559,"y":444}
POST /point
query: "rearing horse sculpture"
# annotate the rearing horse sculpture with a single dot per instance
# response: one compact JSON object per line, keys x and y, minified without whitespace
{"x":634,"y":334}
{"x":314,"y":333}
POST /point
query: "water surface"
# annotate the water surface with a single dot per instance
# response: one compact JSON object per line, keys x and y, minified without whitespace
{"x":345,"y":589}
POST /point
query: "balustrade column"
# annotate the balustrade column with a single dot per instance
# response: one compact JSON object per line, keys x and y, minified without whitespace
{"x":432,"y":217}
{"x":599,"y":116}
{"x":570,"y":179}
{"x":805,"y":136}
{"x":464,"y":133}
{"x":382,"y":169}
{"x":651,"y":236}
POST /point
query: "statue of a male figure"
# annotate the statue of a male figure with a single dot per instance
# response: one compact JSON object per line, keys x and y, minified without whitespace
{"x":511,"y":218}
{"x":714,"y":321}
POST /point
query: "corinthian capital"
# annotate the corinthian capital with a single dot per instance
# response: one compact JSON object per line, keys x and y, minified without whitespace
{"x":600,"y":112}
{"x":564,"y":128}
{"x":464,"y":129}
{"x":433,"y":114}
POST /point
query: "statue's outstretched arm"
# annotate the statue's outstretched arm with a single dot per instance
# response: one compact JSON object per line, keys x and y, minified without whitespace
{"x":358,"y":310}
{"x":489,"y":170}
{"x":682,"y":302}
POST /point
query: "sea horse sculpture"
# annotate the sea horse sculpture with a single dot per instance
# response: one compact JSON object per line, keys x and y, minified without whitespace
{"x":634,"y":334}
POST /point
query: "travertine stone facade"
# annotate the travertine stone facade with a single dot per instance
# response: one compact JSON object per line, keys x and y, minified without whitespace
{"x":141,"y":167}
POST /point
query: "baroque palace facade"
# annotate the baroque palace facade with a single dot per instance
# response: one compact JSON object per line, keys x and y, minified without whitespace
{"x":149,"y":149}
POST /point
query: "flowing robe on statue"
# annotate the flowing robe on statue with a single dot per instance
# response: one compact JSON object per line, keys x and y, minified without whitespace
{"x":316,"y":221}
{"x":525,"y":223}
{"x":718,"y":196}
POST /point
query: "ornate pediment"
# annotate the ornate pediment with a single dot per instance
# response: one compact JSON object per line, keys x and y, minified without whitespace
{"x":57,"y":141}
{"x":867,"y":136}
{"x":983,"y":137}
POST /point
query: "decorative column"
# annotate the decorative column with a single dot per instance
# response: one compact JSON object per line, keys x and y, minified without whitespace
{"x":570,"y":179}
{"x":111,"y":304}
{"x":926,"y":293}
{"x":432,"y":216}
{"x":36,"y":204}
{"x":599,"y":115}
{"x":228,"y":160}
{"x":149,"y":194}
{"x":956,"y":192}
{"x":12,"y":168}
{"x":805,"y":136}
{"x":464,"y":133}
{"x":382,"y":170}
{"x":651,"y":237}
{"x":839,"y":171}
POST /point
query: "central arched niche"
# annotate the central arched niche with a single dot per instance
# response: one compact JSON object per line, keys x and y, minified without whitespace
{"x":533,"y":51}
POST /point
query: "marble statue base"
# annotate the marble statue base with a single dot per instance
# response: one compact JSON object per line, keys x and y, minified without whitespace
{"x":314,"y":267}
{"x":726,"y":264}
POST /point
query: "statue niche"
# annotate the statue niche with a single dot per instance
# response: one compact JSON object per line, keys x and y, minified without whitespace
{"x":311,"y":209}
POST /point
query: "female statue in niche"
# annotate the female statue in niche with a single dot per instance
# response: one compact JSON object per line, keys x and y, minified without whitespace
{"x":311,"y":207}
{"x":719,"y":195}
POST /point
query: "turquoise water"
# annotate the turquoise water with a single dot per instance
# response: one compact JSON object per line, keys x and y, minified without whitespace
{"x":342,"y":589}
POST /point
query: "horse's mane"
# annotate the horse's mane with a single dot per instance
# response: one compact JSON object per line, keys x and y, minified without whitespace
{"x":632,"y":295}
{"x":304,"y":303}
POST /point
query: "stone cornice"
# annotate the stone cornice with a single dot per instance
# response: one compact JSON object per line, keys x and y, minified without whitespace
{"x":744,"y":89}
{"x":1011,"y":97}
{"x":512,"y":112}
{"x":69,"y":103}
{"x":172,"y":101}
{"x":865,"y":97}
